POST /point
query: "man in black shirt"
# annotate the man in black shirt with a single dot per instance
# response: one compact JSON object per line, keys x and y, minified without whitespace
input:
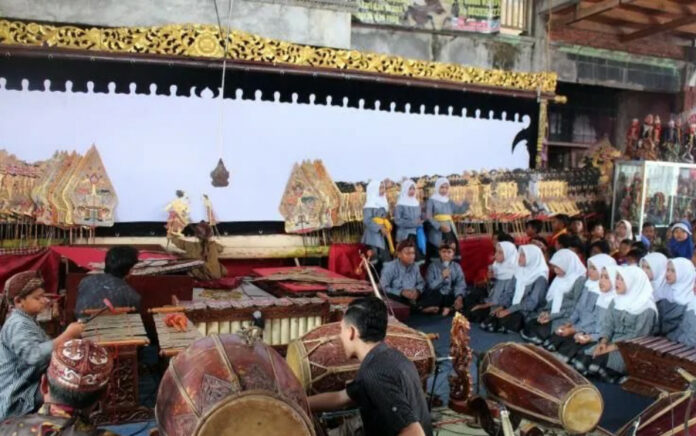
{"x":111,"y":284}
{"x":387,"y":387}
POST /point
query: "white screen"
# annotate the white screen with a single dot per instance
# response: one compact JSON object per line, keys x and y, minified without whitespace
{"x":153,"y":145}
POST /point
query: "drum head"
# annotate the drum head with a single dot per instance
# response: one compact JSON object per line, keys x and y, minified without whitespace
{"x":255,"y":413}
{"x":296,"y":357}
{"x":581,"y":410}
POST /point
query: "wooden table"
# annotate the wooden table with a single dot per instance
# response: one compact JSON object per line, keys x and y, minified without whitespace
{"x":122,"y":335}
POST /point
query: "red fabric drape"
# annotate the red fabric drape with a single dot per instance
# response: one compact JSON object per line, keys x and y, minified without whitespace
{"x":344,"y":259}
{"x":44,"y":260}
{"x":477,"y":254}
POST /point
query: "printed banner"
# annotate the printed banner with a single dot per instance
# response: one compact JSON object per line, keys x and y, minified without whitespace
{"x":460,"y":15}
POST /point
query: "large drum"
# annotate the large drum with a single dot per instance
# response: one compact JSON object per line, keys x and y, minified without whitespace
{"x":318,"y":360}
{"x":666,"y":416}
{"x":230,"y":385}
{"x":533,"y":384}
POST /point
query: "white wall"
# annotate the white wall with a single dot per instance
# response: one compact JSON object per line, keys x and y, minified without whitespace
{"x":155,"y":144}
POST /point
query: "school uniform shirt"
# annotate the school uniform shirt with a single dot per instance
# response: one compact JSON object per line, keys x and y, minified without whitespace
{"x":455,"y":284}
{"x":440,"y":205}
{"x":631,"y":315}
{"x":670,"y":316}
{"x":372,"y":235}
{"x":593,"y":303}
{"x":25,"y":352}
{"x":389,"y":393}
{"x":396,"y":277}
{"x":407,"y":220}
{"x":407,"y":214}
{"x":531,"y":282}
{"x":501,"y":293}
{"x":564,"y":291}
{"x":532,"y":299}
{"x":586,"y":315}
{"x":686,"y":332}
{"x":567,"y":306}
{"x":677,"y":296}
{"x":620,"y":325}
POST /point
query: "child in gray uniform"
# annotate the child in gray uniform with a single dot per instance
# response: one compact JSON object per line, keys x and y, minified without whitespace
{"x":377,"y":228}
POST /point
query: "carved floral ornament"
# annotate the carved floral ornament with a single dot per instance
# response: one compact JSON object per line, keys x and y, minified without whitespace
{"x":195,"y":40}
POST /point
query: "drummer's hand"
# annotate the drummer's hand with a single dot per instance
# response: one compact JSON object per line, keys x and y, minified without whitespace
{"x":445,"y":228}
{"x":582,"y":338}
{"x":458,"y":303}
{"x":503,"y":313}
{"x":601,"y":349}
{"x":410,"y":294}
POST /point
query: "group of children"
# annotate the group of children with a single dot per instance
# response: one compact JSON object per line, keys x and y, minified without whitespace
{"x":586,"y":310}
{"x":578,"y":303}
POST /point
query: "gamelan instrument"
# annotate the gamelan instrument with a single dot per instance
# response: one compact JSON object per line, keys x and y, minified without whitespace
{"x":231,"y":385}
{"x":121,"y":334}
{"x":284,"y":319}
{"x":666,"y":416}
{"x":535,"y":385}
{"x":172,"y":340}
{"x":319,"y":362}
{"x":652,"y":362}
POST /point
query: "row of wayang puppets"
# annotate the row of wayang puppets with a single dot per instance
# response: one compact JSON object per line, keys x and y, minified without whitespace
{"x":314,"y":203}
{"x":652,"y":141}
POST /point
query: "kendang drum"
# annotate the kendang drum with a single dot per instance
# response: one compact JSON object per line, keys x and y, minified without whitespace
{"x":231,"y":385}
{"x":535,"y":385}
{"x":318,"y":359}
{"x":666,"y":416}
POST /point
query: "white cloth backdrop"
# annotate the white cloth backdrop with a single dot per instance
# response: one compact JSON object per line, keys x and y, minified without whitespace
{"x":153,"y":144}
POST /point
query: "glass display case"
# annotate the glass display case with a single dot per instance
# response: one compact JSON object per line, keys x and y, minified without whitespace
{"x":658,"y":192}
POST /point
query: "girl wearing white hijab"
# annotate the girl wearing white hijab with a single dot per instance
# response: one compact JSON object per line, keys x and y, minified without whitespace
{"x":561,"y":297}
{"x":582,"y":328}
{"x":631,"y":315}
{"x":407,"y":214}
{"x":439,"y":210}
{"x":531,"y":279}
{"x":680,"y":278}
{"x":623,"y":231}
{"x":686,"y":333}
{"x":655,"y":266}
{"x":502,"y":271}
{"x":377,"y":228}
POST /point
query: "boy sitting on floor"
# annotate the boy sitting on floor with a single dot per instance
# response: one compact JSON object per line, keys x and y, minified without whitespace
{"x":445,"y":282}
{"x":25,"y":349}
{"x":401,"y":278}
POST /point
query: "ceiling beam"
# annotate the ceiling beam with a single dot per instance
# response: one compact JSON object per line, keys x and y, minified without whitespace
{"x":582,"y":13}
{"x":662,"y":6}
{"x":660,"y":28}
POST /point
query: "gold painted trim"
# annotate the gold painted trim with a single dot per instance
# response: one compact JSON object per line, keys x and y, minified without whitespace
{"x":205,"y":41}
{"x":542,"y":132}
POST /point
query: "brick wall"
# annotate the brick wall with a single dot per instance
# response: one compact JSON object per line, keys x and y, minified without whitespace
{"x":650,"y":46}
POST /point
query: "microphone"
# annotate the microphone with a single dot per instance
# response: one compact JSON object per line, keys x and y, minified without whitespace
{"x":443,"y":359}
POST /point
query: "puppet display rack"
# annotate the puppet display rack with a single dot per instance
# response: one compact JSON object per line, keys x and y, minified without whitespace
{"x":327,"y":211}
{"x":54,"y":199}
